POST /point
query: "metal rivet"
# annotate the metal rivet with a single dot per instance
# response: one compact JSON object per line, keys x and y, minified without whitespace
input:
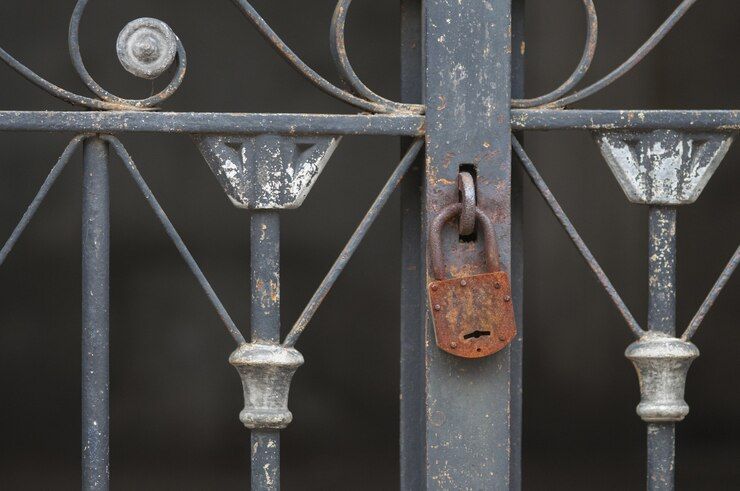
{"x":497,"y":286}
{"x":507,"y":298}
{"x":463,"y":283}
{"x":435,"y":288}
{"x":453,"y":345}
{"x":437,"y":307}
{"x":501,"y":337}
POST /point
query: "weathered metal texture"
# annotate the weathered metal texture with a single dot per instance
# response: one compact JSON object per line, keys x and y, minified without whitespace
{"x":467,"y":94}
{"x":662,"y":363}
{"x":353,"y":124}
{"x":665,"y":167}
{"x":95,"y":316}
{"x":661,"y":436}
{"x":269,"y":171}
{"x":518,"y":54}
{"x":266,"y":372}
{"x":473,"y":316}
{"x":264,"y":232}
{"x":633,"y":119}
{"x":412,"y":429}
{"x":214,"y":123}
{"x":146,"y":47}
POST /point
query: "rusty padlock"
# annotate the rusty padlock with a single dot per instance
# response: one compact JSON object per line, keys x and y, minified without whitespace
{"x":473,"y":315}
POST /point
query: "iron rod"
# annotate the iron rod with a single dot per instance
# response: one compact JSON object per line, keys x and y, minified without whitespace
{"x":575,"y":237}
{"x":95,"y":305}
{"x":265,"y":323}
{"x":661,"y":437}
{"x":212,"y":123}
{"x":39,"y":198}
{"x":517,"y":255}
{"x":176,"y":239}
{"x":401,"y":124}
{"x":354,"y":242}
{"x":712,"y":296}
{"x":634,"y":119}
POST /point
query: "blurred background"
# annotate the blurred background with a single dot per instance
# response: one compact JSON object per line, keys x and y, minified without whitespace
{"x":175,"y":399}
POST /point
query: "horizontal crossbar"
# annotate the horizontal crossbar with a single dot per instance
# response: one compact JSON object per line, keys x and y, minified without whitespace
{"x":351,"y":124}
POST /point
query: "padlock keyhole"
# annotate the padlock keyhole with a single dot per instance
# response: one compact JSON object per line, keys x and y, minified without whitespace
{"x":477,"y":334}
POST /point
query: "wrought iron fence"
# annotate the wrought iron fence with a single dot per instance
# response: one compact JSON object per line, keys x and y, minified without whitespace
{"x":463,"y":104}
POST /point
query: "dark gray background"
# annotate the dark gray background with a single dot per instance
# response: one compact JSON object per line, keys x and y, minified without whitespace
{"x":175,"y":399}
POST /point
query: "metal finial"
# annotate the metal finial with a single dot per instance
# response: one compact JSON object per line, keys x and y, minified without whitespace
{"x":146,"y":47}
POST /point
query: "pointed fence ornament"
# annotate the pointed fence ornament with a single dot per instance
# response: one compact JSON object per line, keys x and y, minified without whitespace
{"x":663,"y":167}
{"x":268,"y":171}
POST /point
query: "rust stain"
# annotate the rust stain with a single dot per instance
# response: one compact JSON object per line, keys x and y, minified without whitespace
{"x":474,"y":315}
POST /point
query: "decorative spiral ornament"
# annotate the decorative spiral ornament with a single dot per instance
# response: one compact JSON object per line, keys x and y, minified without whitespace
{"x":146,"y":47}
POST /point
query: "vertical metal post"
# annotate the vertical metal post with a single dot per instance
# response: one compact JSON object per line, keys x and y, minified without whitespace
{"x":265,"y":324}
{"x":412,"y":429}
{"x":467,"y":66}
{"x":95,"y":305}
{"x":661,"y":437}
{"x":517,"y":254}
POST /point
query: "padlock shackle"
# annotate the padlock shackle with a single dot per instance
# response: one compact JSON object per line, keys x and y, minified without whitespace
{"x":435,"y":239}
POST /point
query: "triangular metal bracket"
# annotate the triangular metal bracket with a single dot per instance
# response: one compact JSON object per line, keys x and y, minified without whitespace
{"x":266,"y":171}
{"x":663,"y":167}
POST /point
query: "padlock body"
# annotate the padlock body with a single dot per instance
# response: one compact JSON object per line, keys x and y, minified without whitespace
{"x":474,"y":315}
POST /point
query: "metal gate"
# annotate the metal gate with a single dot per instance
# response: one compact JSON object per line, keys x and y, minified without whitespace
{"x":462,"y":117}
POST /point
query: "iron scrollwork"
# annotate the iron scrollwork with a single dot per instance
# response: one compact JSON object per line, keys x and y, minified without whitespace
{"x":249,"y":162}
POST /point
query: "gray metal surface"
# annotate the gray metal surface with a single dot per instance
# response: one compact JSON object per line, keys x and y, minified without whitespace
{"x":95,"y":316}
{"x":460,"y":419}
{"x":412,"y":429}
{"x":663,"y":167}
{"x":265,"y":329}
{"x":661,"y":437}
{"x":267,"y":172}
{"x":467,"y":80}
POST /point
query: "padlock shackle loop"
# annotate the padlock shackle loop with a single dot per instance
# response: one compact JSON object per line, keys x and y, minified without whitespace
{"x":435,"y":239}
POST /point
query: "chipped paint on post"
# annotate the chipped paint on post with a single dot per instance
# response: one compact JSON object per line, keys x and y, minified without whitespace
{"x":663,"y":167}
{"x":268,"y":171}
{"x":467,"y":56}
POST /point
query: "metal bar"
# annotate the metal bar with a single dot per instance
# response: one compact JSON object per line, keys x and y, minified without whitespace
{"x":661,"y":437}
{"x":412,"y":432}
{"x":354,"y":242}
{"x":175,"y":238}
{"x":712,"y":296}
{"x":517,"y":255}
{"x":352,"y":124}
{"x":557,"y":119}
{"x":40,"y":196}
{"x":265,"y":324}
{"x":213,"y":123}
{"x":467,"y":55}
{"x":575,"y":237}
{"x":95,"y":305}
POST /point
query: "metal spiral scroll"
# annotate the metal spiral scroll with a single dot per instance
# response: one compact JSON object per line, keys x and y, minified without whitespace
{"x":556,"y":99}
{"x":146,"y":48}
{"x":365,"y":98}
